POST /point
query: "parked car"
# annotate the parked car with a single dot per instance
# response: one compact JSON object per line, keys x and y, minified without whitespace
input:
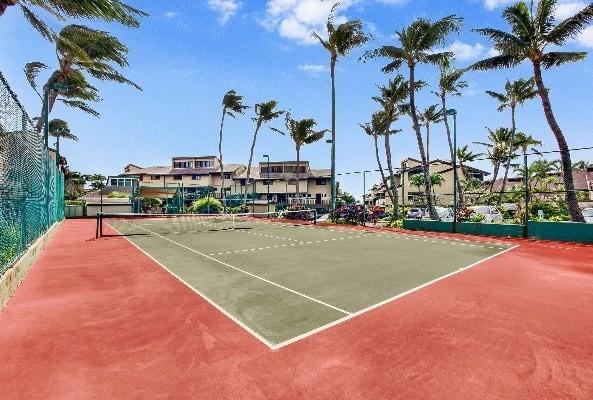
{"x":490,"y":213}
{"x":588,"y":214}
{"x":415,"y":213}
{"x":445,"y":214}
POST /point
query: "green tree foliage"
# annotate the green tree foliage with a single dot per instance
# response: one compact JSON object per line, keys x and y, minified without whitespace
{"x":208,"y":205}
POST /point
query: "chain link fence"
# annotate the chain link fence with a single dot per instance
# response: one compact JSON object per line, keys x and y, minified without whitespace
{"x":31,"y":183}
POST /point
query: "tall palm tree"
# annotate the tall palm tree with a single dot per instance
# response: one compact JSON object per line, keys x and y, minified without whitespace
{"x":582,"y":165}
{"x":416,"y":46}
{"x":532,"y":32}
{"x":465,"y":156}
{"x":515,"y":93}
{"x":59,"y":128}
{"x":394,"y":101}
{"x":80,"y":51}
{"x":107,"y":10}
{"x":375,"y":129}
{"x":301,"y":132}
{"x":450,"y":84}
{"x":431,"y":115}
{"x":232,"y":104}
{"x":497,"y":145}
{"x":341,"y":39}
{"x":264,"y":113}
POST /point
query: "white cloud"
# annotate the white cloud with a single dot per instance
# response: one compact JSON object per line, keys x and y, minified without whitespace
{"x":468,"y":52}
{"x":298,"y":19}
{"x":586,"y":37}
{"x":313,"y":68}
{"x":569,"y":8}
{"x":170,"y":14}
{"x":226,"y":9}
{"x":492,"y":4}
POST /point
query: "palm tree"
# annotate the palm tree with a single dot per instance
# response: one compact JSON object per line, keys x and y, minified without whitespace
{"x":301,"y":132}
{"x":417,"y":42}
{"x":375,"y":129}
{"x":532,"y":32}
{"x":107,"y":10}
{"x":582,"y":165}
{"x":232,"y":104}
{"x":450,"y":84}
{"x":264,"y":113}
{"x":515,"y":93}
{"x":340,"y":41}
{"x":428,"y":117}
{"x":59,"y":128}
{"x":464,"y":156}
{"x":80,"y":50}
{"x":498,"y":144}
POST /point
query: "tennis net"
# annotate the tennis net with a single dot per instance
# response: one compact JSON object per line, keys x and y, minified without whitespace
{"x":132,"y":224}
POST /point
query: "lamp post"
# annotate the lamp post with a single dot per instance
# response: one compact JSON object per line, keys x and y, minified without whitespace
{"x":268,"y":180}
{"x":364,"y":193}
{"x":333,"y":174}
{"x":453,"y":112}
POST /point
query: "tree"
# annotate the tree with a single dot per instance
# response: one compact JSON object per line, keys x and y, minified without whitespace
{"x":582,"y":165}
{"x":515,"y":93}
{"x":450,"y":84}
{"x":301,"y":132}
{"x":232,"y":104}
{"x":107,"y":10}
{"x":59,"y":128}
{"x":97,"y":181}
{"x":532,"y":32}
{"x":498,"y":144}
{"x":264,"y":113}
{"x":428,"y":117}
{"x":80,"y":50}
{"x":417,"y":43}
{"x":341,"y":39}
{"x":375,"y":129}
{"x":393,"y":100}
{"x":465,"y":156}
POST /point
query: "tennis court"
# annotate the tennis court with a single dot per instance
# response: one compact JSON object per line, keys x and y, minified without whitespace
{"x":284,"y":280}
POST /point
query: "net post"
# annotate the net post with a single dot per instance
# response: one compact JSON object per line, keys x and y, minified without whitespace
{"x":100,"y":222}
{"x":314,"y":216}
{"x":97,"y":227}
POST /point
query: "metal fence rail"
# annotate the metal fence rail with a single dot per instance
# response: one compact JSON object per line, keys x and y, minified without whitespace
{"x":31,"y":184}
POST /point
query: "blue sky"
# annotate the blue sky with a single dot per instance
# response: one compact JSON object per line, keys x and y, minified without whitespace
{"x":188,"y":53}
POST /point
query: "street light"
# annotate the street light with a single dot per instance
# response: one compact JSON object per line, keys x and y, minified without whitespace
{"x":453,"y":112}
{"x":333,"y":175}
{"x":268,"y":182}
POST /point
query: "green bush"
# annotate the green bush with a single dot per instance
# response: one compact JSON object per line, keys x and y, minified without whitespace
{"x":10,"y":240}
{"x":206,"y":206}
{"x":477,"y":218}
{"x":398,"y":223}
{"x":117,"y":195}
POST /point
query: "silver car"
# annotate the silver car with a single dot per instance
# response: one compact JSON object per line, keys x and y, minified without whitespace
{"x":588,"y":214}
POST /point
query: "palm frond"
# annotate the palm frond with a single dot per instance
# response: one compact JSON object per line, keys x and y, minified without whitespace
{"x":32,"y":70}
{"x":497,"y":62}
{"x":554,"y":59}
{"x":498,"y":96}
{"x":38,"y":24}
{"x":81,"y":105}
{"x":571,"y":27}
{"x":107,"y":73}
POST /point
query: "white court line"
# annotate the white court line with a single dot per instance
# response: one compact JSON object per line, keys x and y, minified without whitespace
{"x":243,"y":271}
{"x":384,"y":302}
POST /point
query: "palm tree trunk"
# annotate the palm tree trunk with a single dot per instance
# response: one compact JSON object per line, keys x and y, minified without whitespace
{"x":425,"y":166}
{"x":298,"y":174}
{"x":222,"y":191}
{"x":571,"y":198}
{"x":494,"y":175}
{"x":52,"y":101}
{"x":443,"y":97}
{"x":510,"y":155}
{"x":333,"y":149}
{"x":379,"y":164}
{"x":428,"y":146}
{"x":250,"y":161}
{"x":391,"y":175}
{"x":58,"y":150}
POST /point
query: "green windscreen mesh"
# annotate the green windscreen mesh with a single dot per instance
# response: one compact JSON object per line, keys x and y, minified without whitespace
{"x":31,"y":184}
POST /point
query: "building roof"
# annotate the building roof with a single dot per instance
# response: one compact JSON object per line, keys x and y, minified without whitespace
{"x":583,"y":180}
{"x":439,"y":161}
{"x":168,"y":170}
{"x":312,"y":173}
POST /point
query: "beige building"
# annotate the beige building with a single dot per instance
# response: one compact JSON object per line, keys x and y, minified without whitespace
{"x":413,"y":194}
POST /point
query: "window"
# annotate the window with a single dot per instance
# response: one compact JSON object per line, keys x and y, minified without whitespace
{"x":243,"y":182}
{"x":196,"y":177}
{"x":292,"y":182}
{"x":155,"y":177}
{"x":227,"y":175}
{"x":113,"y":182}
{"x":177,"y":177}
{"x":141,"y":178}
{"x":267,"y":182}
{"x":204,"y":164}
{"x":320,"y":182}
{"x":182,"y":164}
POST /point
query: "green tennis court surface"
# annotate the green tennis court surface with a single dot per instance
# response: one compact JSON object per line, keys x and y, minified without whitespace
{"x":283,"y":281}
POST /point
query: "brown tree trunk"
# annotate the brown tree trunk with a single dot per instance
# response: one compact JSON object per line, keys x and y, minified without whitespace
{"x":425,"y":166}
{"x":391,"y":174}
{"x":379,"y":164}
{"x":222,"y":191}
{"x":298,"y":174}
{"x":571,"y":198}
{"x":4,"y":4}
{"x":333,"y":148}
{"x":249,"y":165}
{"x":510,"y":155}
{"x":443,"y":95}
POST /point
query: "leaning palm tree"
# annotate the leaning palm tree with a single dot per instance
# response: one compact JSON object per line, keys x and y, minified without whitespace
{"x":107,"y":10}
{"x":59,"y":128}
{"x":416,"y":46}
{"x":450,"y":84}
{"x":341,"y":39}
{"x":232,"y":104}
{"x":301,"y":132}
{"x":80,"y":51}
{"x":375,"y":129}
{"x":497,"y":145}
{"x":532,"y":32}
{"x":264,"y":113}
{"x":431,"y":115}
{"x":515,"y":94}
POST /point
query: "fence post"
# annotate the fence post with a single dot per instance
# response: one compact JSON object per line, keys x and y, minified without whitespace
{"x":526,"y":179}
